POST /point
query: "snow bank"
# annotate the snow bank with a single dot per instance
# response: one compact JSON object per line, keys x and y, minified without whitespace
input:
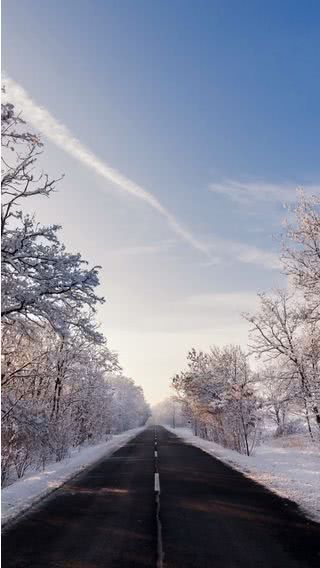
{"x":19,"y":496}
{"x":289,"y":466}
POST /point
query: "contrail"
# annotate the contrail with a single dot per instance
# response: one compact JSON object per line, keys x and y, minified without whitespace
{"x":59,"y":134}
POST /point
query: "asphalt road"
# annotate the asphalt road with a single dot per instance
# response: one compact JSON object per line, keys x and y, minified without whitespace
{"x":206,"y":515}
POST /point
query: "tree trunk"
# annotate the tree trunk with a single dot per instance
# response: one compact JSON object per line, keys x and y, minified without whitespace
{"x":308,"y":419}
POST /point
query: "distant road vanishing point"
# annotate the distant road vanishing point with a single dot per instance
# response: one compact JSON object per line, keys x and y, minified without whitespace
{"x":159,"y":502}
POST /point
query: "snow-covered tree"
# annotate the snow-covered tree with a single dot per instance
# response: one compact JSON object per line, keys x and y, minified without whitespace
{"x":279,"y":390}
{"x":301,"y":252}
{"x":279,"y":331}
{"x":217,"y":391}
{"x":129,"y":408}
{"x":61,"y":385}
{"x":41,"y":281}
{"x":55,"y":393}
{"x":171,"y":412}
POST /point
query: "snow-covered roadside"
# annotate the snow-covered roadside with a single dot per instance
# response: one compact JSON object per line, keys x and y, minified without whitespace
{"x":19,"y":496}
{"x":288,"y":466}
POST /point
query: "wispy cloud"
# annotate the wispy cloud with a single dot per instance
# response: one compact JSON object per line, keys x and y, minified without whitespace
{"x":249,"y":254}
{"x":221,"y":251}
{"x":225,"y":302}
{"x":59,"y":134}
{"x":137,"y":250}
{"x":249,"y":192}
{"x":227,"y":251}
{"x":216,"y":249}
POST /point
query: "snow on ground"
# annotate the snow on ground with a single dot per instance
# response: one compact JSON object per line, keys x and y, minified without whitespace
{"x":19,"y":496}
{"x":289,"y":466}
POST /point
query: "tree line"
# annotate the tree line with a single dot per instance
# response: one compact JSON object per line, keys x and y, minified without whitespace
{"x":62,"y":386}
{"x":228,"y":393}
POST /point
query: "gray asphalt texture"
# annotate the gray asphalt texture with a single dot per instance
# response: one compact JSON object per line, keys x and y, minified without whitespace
{"x":211,"y":516}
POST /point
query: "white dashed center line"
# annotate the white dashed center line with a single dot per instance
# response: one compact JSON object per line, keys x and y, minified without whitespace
{"x":156,"y":483}
{"x":157,"y":497}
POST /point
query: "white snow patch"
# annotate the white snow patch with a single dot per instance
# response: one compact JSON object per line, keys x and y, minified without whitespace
{"x":19,"y":496}
{"x":288,"y":466}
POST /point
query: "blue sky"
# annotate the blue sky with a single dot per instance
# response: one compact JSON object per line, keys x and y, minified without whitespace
{"x":211,"y":107}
